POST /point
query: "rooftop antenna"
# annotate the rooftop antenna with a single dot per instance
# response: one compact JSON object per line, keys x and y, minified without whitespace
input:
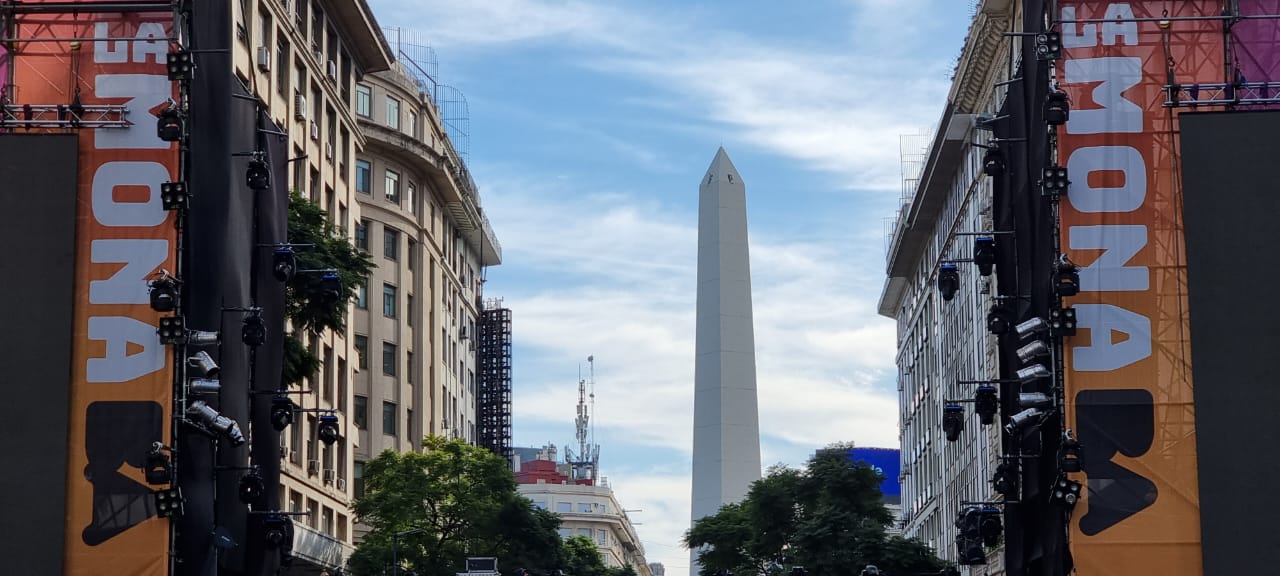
{"x":585,"y":463}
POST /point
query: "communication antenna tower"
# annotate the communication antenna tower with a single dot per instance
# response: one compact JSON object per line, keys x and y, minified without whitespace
{"x":585,"y":463}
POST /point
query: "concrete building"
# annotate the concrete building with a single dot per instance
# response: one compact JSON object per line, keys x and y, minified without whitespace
{"x":303,"y":59}
{"x":726,"y":421}
{"x":414,"y":326}
{"x":945,"y":193}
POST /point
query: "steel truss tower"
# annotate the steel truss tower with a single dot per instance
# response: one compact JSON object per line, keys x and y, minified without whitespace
{"x":494,"y":410}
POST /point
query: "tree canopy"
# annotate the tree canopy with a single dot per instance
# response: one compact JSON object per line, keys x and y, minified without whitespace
{"x":828,"y":518}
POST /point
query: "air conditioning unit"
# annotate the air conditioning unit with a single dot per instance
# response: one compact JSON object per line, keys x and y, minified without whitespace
{"x":313,"y":467}
{"x":264,"y":58}
{"x":342,"y":484}
{"x":328,"y":151}
{"x":330,"y":475}
{"x":333,"y":70}
{"x":315,"y":130}
{"x":299,"y":107}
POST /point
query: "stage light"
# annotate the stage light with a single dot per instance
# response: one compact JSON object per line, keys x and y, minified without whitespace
{"x":169,"y":125}
{"x":284,"y":264}
{"x":984,"y":254}
{"x":281,"y":413}
{"x":204,"y":365}
{"x":203,"y":338}
{"x":969,"y":537}
{"x":330,"y":288}
{"x":948,"y":281}
{"x":1034,"y":400}
{"x":168,"y":502}
{"x":203,"y":414}
{"x":1005,"y":480}
{"x":253,"y":490}
{"x":1030,"y":327}
{"x":203,"y":386}
{"x":1066,"y":492}
{"x":254,"y":332}
{"x":1023,"y":420}
{"x":1057,"y":109}
{"x":999,"y":319}
{"x":173,"y":196}
{"x":795,"y":571}
{"x":1032,"y":373}
{"x":258,"y":176}
{"x":278,"y":530}
{"x":1049,"y":46}
{"x":172,"y":330}
{"x":986,"y":404}
{"x":1062,"y":322}
{"x":158,"y":468}
{"x":328,"y":429}
{"x":1069,"y":456}
{"x":1054,"y":181}
{"x":164,"y":293}
{"x":868,"y":570}
{"x":179,"y":62}
{"x":993,"y":163}
{"x":991,"y":527}
{"x":953,"y":421}
{"x":1066,"y":280}
{"x":1033,"y":350}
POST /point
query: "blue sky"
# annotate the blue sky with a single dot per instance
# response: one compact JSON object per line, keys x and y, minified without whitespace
{"x":591,"y":125}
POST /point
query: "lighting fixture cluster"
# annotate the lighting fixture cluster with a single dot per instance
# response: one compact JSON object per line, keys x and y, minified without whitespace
{"x":978,"y":526}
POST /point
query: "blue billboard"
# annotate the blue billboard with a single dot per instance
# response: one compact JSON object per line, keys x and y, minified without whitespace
{"x":885,"y":461}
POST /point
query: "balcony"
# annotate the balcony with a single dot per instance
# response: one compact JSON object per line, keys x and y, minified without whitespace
{"x":316,"y":553}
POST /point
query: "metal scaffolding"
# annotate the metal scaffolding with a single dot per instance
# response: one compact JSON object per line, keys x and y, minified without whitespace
{"x":494,"y":409}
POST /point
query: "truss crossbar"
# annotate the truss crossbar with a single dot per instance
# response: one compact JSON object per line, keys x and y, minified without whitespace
{"x":82,"y":7}
{"x":60,"y":116}
{"x":1221,"y":94}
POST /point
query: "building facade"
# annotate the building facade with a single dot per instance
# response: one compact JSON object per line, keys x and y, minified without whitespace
{"x":414,"y":325}
{"x":303,"y":60}
{"x":945,"y":199}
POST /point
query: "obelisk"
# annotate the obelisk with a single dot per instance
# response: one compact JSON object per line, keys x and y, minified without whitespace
{"x":726,"y":422}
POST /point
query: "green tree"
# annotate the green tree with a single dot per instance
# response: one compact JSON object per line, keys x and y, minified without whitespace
{"x":828,"y":518}
{"x":457,"y":500}
{"x":582,"y":558}
{"x":306,"y":306}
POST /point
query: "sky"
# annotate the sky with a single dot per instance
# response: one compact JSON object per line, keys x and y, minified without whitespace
{"x":591,"y":124}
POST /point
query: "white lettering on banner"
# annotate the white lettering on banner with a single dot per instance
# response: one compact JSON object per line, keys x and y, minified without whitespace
{"x":1124,"y":198}
{"x":1119,"y":244}
{"x":150,"y":39}
{"x":129,"y":285}
{"x":112,"y":175}
{"x":118,"y":365}
{"x":142,"y":92}
{"x":1104,"y":353}
{"x":1114,"y":28}
{"x":1114,"y":113}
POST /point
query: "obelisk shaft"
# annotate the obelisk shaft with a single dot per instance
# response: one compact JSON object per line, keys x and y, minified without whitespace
{"x":726,"y":434}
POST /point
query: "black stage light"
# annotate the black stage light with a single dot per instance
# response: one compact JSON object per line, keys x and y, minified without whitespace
{"x":258,"y":176}
{"x":281,"y":412}
{"x":328,"y":431}
{"x":1057,"y":110}
{"x":948,"y":281}
{"x":172,"y":330}
{"x":999,"y":319}
{"x":1049,"y":46}
{"x":330,"y":288}
{"x":204,"y":386}
{"x":1032,"y":350}
{"x":179,"y":62}
{"x":1030,"y":327}
{"x":991,"y":526}
{"x":986,"y":404}
{"x":169,"y":125}
{"x":205,"y":415}
{"x":1066,"y":281}
{"x":1032,"y":373}
{"x":284,"y":264}
{"x":168,"y":502}
{"x":953,"y":421}
{"x":253,"y":490}
{"x":1005,"y":480}
{"x":1062,"y":322}
{"x":1054,"y":181}
{"x":158,"y":469}
{"x":1069,"y":456}
{"x":278,"y":529}
{"x":173,"y":196}
{"x":1066,"y":492}
{"x":164,"y":294}
{"x":993,"y":163}
{"x":254,"y":332}
{"x":1023,"y":420}
{"x":203,"y":338}
{"x":969,"y":537}
{"x":204,"y":365}
{"x":984,"y":254}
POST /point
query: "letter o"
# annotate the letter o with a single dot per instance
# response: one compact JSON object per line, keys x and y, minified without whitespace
{"x":108,"y":212}
{"x":1126,"y":198}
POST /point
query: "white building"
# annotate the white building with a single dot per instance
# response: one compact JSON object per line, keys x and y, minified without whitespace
{"x":946,"y":193}
{"x":592,"y":511}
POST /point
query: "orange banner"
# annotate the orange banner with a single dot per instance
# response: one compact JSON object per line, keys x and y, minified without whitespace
{"x":122,"y":380}
{"x":1128,"y":371}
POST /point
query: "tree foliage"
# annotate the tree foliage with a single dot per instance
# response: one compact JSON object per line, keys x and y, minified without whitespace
{"x":305,"y":306}
{"x":828,"y":518}
{"x":462,"y":501}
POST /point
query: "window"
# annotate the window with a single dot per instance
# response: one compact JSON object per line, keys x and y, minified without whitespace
{"x":392,"y":186}
{"x":393,"y":113}
{"x":363,"y":97}
{"x":584,"y":532}
{"x":408,"y":310}
{"x":326,"y":520}
{"x":362,"y":235}
{"x":327,"y":379}
{"x":412,"y":253}
{"x":541,"y":505}
{"x":408,"y":376}
{"x":388,"y":301}
{"x":364,"y":177}
{"x":265,"y":27}
{"x":412,"y":128}
{"x":411,"y":195}
{"x":344,"y":139}
{"x":282,"y":66}
{"x":362,"y":297}
{"x":389,"y":418}
{"x":602,"y":537}
{"x":361,"y":416}
{"x":388,"y":359}
{"x":584,"y":507}
{"x":564,"y":506}
{"x":390,"y":243}
{"x":357,"y":477}
{"x":565,"y":533}
{"x":362,"y":351}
